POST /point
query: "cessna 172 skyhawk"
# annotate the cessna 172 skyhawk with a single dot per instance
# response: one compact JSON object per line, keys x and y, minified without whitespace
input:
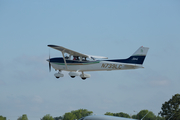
{"x":78,"y":63}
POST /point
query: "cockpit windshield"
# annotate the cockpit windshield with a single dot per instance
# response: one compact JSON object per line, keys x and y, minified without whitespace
{"x":78,"y":58}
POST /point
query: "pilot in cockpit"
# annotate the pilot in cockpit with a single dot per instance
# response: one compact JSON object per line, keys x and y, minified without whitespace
{"x":66,"y":56}
{"x":76,"y":58}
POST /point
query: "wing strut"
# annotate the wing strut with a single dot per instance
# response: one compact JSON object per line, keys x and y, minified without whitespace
{"x":64,"y":59}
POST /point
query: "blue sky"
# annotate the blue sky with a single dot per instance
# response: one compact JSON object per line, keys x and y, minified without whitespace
{"x":107,"y":28}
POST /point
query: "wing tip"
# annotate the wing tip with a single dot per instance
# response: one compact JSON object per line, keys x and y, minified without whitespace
{"x":52,"y":46}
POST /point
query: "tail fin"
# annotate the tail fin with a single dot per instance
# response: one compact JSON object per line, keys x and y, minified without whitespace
{"x":142,"y":51}
{"x":139,"y":56}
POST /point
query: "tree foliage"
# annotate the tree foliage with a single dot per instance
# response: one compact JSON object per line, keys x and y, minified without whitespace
{"x":47,"y":117}
{"x":69,"y":116}
{"x":134,"y":116}
{"x":77,"y":114}
{"x":149,"y":116}
{"x":23,"y":117}
{"x":2,"y":118}
{"x":171,"y":108}
{"x":120,"y":114}
{"x":58,"y":118}
{"x":81,"y":113}
{"x":109,"y":113}
{"x":160,"y":118}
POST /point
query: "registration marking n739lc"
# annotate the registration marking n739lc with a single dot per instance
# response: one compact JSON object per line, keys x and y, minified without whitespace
{"x":111,"y":66}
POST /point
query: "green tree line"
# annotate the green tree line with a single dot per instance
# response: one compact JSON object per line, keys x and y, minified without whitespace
{"x":77,"y":114}
{"x":170,"y":110}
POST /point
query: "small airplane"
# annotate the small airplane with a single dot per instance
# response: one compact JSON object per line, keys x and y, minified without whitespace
{"x":78,"y":63}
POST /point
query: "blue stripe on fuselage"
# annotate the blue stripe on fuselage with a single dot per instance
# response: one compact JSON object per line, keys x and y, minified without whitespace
{"x":131,"y":59}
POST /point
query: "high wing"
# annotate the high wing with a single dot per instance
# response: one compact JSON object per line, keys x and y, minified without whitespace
{"x":74,"y":53}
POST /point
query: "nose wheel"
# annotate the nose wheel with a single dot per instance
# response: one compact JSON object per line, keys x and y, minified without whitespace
{"x":58,"y":75}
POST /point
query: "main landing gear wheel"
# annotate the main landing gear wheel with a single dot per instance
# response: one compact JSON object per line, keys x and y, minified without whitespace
{"x":72,"y":76}
{"x":83,"y":78}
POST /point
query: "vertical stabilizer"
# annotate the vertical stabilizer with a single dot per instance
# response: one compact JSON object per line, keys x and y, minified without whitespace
{"x":142,"y":51}
{"x":139,"y":56}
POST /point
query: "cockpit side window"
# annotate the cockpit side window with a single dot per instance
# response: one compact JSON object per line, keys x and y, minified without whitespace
{"x":92,"y":58}
{"x":84,"y":59}
{"x":75,"y":57}
{"x":66,"y":57}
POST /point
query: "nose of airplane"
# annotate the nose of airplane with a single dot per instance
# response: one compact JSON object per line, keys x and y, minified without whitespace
{"x":48,"y":60}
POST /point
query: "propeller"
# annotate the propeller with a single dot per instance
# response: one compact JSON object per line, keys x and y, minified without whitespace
{"x":49,"y":62}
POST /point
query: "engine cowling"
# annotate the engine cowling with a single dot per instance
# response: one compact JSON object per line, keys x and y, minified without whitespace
{"x":58,"y":75}
{"x":74,"y":74}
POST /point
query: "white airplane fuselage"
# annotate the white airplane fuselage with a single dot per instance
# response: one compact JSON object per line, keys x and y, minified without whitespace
{"x":95,"y":65}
